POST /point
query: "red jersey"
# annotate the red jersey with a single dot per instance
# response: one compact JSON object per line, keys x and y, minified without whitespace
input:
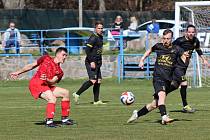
{"x":48,"y":67}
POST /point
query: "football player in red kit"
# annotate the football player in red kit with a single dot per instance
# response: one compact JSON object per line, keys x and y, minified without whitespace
{"x":42,"y":85}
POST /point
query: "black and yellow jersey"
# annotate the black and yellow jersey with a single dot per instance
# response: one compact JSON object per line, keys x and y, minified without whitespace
{"x":189,"y":46}
{"x":94,"y":48}
{"x":165,"y":60}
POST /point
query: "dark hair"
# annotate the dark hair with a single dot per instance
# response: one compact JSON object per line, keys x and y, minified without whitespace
{"x":98,"y":22}
{"x":60,"y":49}
{"x":167,"y":31}
{"x":11,"y":22}
{"x":190,"y":26}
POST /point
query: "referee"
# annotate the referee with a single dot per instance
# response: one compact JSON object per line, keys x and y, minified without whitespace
{"x":93,"y":64}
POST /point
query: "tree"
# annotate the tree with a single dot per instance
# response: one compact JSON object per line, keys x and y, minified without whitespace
{"x":102,"y":6}
{"x":13,"y":4}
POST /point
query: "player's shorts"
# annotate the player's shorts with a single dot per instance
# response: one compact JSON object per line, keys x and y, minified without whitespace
{"x":37,"y":87}
{"x":93,"y":74}
{"x":179,"y":74}
{"x":160,"y":85}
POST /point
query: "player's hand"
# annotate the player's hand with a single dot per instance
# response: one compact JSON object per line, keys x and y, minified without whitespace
{"x":43,"y":77}
{"x":141,"y":64}
{"x":93,"y":65}
{"x":14,"y":75}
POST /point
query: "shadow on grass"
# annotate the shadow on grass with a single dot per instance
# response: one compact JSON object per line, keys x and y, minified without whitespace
{"x":181,"y":111}
{"x":197,"y":110}
{"x":158,"y":121}
{"x":43,"y":122}
{"x":88,"y":103}
{"x":56,"y":122}
{"x":174,"y":120}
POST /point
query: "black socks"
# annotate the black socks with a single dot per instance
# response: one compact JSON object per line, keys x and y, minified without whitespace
{"x":84,"y":87}
{"x":142,"y":111}
{"x":162,"y":109}
{"x":96,"y":89}
{"x":183,"y":92}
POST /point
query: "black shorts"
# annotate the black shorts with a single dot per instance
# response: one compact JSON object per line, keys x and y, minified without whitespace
{"x":160,"y":85}
{"x":179,"y":75}
{"x":93,"y":74}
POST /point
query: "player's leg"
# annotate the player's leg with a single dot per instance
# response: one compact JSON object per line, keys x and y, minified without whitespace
{"x":50,"y":109}
{"x":143,"y":111}
{"x":161,"y":86}
{"x":65,"y":104}
{"x":162,"y":108}
{"x":180,"y":76}
{"x":149,"y":107}
{"x":96,"y":89}
{"x":17,"y":46}
{"x":161,"y":102}
{"x":92,"y":79}
{"x":183,"y":92}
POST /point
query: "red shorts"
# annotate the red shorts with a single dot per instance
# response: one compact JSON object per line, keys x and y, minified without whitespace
{"x":37,"y":86}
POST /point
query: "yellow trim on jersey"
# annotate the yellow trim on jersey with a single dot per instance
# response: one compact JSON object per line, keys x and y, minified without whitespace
{"x":96,"y":34}
{"x":89,"y":45}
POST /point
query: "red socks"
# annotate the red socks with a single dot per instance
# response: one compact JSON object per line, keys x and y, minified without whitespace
{"x":65,"y":106}
{"x":50,"y":110}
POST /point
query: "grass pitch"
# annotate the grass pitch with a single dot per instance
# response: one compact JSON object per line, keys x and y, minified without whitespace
{"x":21,"y":118}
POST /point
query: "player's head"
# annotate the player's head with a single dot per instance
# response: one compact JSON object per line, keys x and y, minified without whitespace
{"x":12,"y":25}
{"x":99,"y":27}
{"x":167,"y":37}
{"x":61,"y":54}
{"x":190,"y":32}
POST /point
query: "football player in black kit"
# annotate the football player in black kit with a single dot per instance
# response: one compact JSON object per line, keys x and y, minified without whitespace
{"x":93,"y":64}
{"x":189,"y":43}
{"x":167,"y":55}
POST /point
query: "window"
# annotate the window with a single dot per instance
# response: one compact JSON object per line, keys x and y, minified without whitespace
{"x":143,"y":27}
{"x":164,"y":25}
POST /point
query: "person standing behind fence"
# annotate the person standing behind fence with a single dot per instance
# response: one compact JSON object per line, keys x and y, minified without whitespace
{"x":153,"y":27}
{"x":12,"y":38}
{"x":117,"y":25}
{"x":133,"y":23}
{"x":93,"y":64}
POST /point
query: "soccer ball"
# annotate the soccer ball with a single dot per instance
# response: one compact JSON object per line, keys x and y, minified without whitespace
{"x":127,"y":98}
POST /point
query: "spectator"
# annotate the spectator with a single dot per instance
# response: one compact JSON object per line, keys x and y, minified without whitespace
{"x":133,"y":23}
{"x":12,"y":38}
{"x":153,"y":27}
{"x":117,"y":26}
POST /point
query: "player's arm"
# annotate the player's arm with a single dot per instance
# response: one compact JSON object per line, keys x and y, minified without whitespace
{"x":26,"y":68}
{"x":88,"y":50}
{"x":200,"y":53}
{"x":146,"y":54}
{"x":49,"y":81}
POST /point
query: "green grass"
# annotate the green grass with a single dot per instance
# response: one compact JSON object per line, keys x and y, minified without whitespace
{"x":21,"y":116}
